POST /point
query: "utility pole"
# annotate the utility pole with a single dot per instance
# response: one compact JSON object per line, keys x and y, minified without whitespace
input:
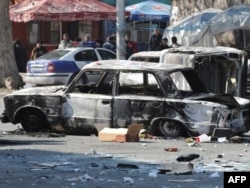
{"x":120,"y":29}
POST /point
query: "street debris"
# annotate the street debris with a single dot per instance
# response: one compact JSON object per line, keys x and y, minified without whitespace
{"x":187,"y":158}
{"x":128,"y":180}
{"x":171,"y":149}
{"x":176,"y":168}
{"x":203,"y":138}
{"x":123,"y":165}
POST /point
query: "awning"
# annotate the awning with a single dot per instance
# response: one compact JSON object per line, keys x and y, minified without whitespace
{"x":149,"y":11}
{"x":61,"y":10}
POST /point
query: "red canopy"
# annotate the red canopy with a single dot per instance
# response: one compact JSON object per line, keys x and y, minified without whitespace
{"x":61,"y":10}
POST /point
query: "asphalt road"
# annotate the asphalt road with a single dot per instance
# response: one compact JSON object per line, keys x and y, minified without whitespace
{"x":56,"y":160}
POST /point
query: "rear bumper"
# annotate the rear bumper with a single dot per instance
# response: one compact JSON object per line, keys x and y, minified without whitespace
{"x":47,"y":79}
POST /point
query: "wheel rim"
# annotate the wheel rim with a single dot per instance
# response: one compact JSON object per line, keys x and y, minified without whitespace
{"x":169,"y":128}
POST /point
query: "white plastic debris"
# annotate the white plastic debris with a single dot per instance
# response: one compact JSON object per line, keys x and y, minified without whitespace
{"x":203,"y":138}
{"x":153,"y":174}
{"x":199,"y":169}
{"x":222,"y":139}
{"x":128,"y":180}
{"x":215,"y":175}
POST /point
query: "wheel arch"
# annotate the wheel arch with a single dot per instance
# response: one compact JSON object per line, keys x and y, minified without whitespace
{"x":155,"y":121}
{"x":21,"y":111}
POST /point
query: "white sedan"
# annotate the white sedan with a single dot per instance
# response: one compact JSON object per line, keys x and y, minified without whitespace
{"x":60,"y":66}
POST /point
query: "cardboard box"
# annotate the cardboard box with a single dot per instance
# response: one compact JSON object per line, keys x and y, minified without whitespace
{"x":130,"y":134}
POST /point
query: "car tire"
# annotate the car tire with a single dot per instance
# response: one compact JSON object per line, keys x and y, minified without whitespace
{"x":169,"y":128}
{"x":33,"y":121}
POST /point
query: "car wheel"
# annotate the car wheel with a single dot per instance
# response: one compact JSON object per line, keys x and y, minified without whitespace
{"x":170,"y":128}
{"x":33,"y":121}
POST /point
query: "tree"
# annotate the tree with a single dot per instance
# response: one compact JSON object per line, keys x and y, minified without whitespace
{"x":9,"y":75}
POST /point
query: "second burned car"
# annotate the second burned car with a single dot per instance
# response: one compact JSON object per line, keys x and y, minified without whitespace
{"x":167,"y":99}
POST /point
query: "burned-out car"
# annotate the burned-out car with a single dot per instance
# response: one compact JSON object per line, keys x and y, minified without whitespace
{"x":167,"y":99}
{"x":221,"y":69}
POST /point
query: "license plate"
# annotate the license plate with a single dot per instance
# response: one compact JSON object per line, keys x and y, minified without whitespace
{"x":36,"y":69}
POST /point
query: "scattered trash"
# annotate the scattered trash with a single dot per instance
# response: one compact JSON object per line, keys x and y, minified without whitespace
{"x":171,"y":149}
{"x":215,"y":175}
{"x":128,"y":180}
{"x":199,"y":169}
{"x":222,"y":132}
{"x":203,"y":149}
{"x":123,"y":165}
{"x":192,"y":142}
{"x":220,"y":155}
{"x":222,"y":139}
{"x":203,"y":138}
{"x":236,"y":139}
{"x":176,"y":168}
{"x":153,"y":173}
{"x":188,"y":157}
{"x":186,"y":180}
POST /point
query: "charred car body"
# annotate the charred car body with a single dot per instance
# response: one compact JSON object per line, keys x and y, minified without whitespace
{"x":167,"y":99}
{"x":221,"y":69}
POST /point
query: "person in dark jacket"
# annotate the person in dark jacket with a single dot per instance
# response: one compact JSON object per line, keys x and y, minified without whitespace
{"x":174,"y":42}
{"x":20,"y":56}
{"x":163,"y":45}
{"x":38,"y":50}
{"x":155,"y":40}
{"x":110,"y":43}
{"x":130,"y":46}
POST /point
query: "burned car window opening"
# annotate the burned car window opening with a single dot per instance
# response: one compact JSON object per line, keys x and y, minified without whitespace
{"x":138,"y":83}
{"x":95,"y":82}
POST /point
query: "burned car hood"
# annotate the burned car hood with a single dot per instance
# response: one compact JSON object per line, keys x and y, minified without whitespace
{"x":40,"y":90}
{"x":225,"y":99}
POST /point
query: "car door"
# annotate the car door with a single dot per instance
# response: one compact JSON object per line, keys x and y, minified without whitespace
{"x":87,"y":104}
{"x":138,"y":99}
{"x":105,"y":54}
{"x":84,"y":57}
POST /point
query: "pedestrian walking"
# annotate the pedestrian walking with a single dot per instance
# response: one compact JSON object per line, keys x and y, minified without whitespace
{"x":38,"y":50}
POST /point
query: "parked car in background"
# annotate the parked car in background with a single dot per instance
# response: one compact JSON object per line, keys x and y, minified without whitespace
{"x":222,"y":69}
{"x":168,"y":99}
{"x":60,"y":66}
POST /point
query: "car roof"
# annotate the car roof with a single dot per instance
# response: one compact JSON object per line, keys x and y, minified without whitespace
{"x":75,"y":48}
{"x":147,"y":54}
{"x":132,"y":65}
{"x":190,"y":49}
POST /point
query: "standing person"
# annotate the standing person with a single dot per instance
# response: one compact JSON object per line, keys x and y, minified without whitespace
{"x":98,"y":43}
{"x":20,"y":56}
{"x":65,"y":42}
{"x":110,"y":44}
{"x":87,"y":42}
{"x":174,"y":42}
{"x":38,"y":50}
{"x":155,"y":40}
{"x":163,"y":45}
{"x":131,"y":46}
